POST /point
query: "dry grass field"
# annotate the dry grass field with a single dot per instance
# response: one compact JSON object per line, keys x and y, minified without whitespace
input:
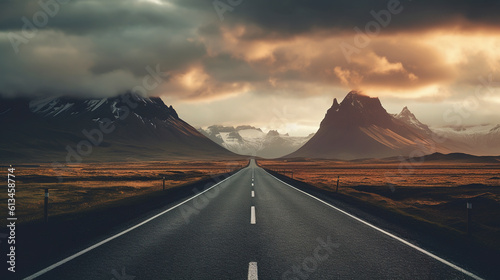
{"x":80,"y":187}
{"x":435,"y":192}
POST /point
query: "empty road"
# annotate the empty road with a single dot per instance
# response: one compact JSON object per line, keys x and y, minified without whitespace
{"x":253,"y":226}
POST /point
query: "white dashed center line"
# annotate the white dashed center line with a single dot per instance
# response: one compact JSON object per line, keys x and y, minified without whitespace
{"x":253,"y":194}
{"x":252,"y":271}
{"x":252,"y":218}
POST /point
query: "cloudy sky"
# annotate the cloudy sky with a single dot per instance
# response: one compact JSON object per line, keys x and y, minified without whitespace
{"x":273,"y":64}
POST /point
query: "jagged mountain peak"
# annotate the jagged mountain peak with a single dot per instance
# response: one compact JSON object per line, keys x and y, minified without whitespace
{"x":335,"y":104}
{"x":356,"y":109}
{"x":360,"y":100}
{"x":273,"y":133}
{"x":410,"y":119}
{"x":405,"y":113}
{"x":355,"y":93}
{"x":356,"y":99}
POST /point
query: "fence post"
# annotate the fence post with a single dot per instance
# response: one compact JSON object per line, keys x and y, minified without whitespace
{"x":46,"y":206}
{"x":163,"y":183}
{"x":469,"y":210}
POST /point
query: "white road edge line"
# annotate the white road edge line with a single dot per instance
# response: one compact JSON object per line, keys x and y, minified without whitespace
{"x":252,"y":271}
{"x":49,"y":268}
{"x":456,"y":267}
{"x":252,"y":218}
{"x":253,"y":194}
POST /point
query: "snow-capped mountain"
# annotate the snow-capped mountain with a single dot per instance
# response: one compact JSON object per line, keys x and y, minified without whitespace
{"x":114,"y":107}
{"x":249,"y":140}
{"x":409,"y":118}
{"x":481,"y":140}
{"x":125,"y":126}
{"x":359,"y":127}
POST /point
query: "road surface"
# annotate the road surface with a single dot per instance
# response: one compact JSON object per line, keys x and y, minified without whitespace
{"x":253,"y":226}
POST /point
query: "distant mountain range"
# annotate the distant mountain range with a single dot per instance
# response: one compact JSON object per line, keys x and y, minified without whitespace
{"x":132,"y":127}
{"x":359,"y":127}
{"x":125,"y":127}
{"x":249,"y":140}
{"x":482,"y":140}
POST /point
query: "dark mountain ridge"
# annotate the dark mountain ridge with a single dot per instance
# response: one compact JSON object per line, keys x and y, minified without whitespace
{"x":121,"y":127}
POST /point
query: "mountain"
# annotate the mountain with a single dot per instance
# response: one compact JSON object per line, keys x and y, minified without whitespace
{"x":249,"y":140}
{"x":481,"y":140}
{"x":275,"y":145}
{"x":228,"y":136}
{"x":124,"y":127}
{"x":359,"y":127}
{"x":409,"y":118}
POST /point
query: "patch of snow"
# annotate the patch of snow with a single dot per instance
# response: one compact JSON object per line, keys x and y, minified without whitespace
{"x":141,"y":118}
{"x":256,"y":142}
{"x":64,"y":108}
{"x":251,"y":133}
{"x":37,"y":104}
{"x":99,"y":103}
{"x":466,"y":130}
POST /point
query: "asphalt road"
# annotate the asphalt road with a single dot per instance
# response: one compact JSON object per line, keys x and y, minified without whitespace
{"x":253,"y":226}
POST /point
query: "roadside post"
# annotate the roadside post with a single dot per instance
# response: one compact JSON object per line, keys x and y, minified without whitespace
{"x":163,"y":183}
{"x":469,"y":210}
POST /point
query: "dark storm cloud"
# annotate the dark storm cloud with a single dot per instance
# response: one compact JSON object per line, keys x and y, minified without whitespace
{"x":133,"y":50}
{"x":84,"y":17}
{"x":96,"y":47}
{"x":291,"y":17}
{"x":92,"y":47}
{"x":241,"y":71}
